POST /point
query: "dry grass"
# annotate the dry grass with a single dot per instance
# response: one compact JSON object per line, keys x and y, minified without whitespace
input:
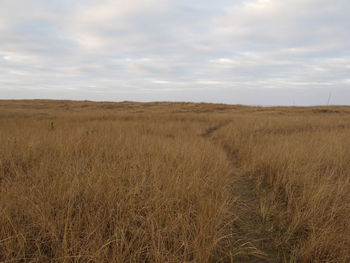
{"x":300,"y":164}
{"x":136,"y":182}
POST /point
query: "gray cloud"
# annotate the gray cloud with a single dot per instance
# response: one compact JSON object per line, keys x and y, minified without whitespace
{"x":249,"y":51}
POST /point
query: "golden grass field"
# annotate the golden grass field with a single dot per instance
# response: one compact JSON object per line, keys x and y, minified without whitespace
{"x":173,"y":182}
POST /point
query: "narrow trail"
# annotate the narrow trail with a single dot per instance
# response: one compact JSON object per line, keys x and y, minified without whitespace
{"x":253,"y":234}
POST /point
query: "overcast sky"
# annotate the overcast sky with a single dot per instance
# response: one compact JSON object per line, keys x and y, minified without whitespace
{"x":265,"y":52}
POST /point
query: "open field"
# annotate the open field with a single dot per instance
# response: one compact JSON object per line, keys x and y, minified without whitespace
{"x":173,"y":182}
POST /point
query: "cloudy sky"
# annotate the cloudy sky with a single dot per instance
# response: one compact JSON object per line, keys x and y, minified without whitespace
{"x":260,"y":52}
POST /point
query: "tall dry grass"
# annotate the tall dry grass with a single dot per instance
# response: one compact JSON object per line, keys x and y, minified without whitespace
{"x":104,"y":187}
{"x":300,"y":164}
{"x":138,"y":182}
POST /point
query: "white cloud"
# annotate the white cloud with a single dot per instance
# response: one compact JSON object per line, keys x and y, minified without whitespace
{"x":149,"y":50}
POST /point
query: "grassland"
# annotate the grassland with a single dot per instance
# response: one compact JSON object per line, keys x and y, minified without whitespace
{"x":173,"y":182}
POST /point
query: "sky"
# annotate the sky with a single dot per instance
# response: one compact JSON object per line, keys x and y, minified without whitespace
{"x":254,"y":52}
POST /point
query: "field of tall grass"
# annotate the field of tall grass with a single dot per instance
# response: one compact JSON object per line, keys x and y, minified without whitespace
{"x":155,"y":182}
{"x":299,"y":163}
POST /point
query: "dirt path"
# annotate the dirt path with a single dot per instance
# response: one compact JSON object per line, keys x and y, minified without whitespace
{"x":253,"y":235}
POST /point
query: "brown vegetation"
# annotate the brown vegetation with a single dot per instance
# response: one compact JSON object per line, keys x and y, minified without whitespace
{"x":173,"y":182}
{"x":300,"y":165}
